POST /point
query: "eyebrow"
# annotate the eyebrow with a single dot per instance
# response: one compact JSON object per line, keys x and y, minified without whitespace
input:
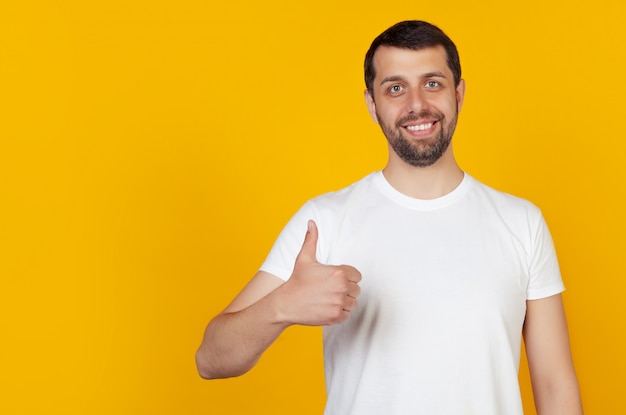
{"x":396,"y":78}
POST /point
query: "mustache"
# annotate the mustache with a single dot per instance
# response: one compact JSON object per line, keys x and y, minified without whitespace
{"x":420,"y":116}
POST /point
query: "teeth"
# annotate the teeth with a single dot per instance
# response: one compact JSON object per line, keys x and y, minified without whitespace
{"x":420,"y":127}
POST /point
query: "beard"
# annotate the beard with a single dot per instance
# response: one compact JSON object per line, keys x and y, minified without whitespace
{"x":423,"y":152}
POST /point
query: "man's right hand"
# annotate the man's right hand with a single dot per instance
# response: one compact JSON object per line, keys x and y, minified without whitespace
{"x":318,"y":294}
{"x":315,"y":295}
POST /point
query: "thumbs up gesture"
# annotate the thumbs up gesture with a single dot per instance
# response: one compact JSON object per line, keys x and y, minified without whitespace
{"x":318,"y":294}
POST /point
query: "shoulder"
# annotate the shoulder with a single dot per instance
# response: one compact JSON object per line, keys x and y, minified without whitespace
{"x":329,"y":208}
{"x":345,"y":197}
{"x":505,"y":203}
{"x":519,"y":216}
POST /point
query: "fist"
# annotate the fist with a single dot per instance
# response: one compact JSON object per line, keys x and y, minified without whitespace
{"x":318,"y":294}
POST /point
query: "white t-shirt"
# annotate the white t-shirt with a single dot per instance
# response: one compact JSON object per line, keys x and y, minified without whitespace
{"x":437,"y":329}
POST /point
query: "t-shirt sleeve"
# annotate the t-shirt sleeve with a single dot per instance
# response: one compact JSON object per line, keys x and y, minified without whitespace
{"x":282,"y":257}
{"x":545,"y":275}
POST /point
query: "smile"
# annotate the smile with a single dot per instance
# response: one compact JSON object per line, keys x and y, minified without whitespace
{"x":419,"y":127}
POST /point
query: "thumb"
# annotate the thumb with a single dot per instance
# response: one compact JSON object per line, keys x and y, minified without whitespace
{"x":309,"y":247}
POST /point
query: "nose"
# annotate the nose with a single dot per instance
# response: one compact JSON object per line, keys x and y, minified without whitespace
{"x":415,"y":101}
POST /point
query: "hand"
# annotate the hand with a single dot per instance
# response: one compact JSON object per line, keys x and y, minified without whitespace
{"x":318,"y":294}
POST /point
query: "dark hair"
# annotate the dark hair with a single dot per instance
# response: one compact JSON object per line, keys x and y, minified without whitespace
{"x":414,"y":35}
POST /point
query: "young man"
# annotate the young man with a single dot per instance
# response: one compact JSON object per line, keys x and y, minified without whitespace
{"x":448,"y":272}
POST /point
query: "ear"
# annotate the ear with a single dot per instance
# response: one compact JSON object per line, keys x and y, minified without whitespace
{"x":371,"y":106}
{"x":460,"y":95}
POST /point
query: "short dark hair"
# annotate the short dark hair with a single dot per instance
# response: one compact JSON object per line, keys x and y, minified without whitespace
{"x":414,"y":35}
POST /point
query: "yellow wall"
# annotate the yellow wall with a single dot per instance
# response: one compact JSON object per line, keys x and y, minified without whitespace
{"x":150,"y":152}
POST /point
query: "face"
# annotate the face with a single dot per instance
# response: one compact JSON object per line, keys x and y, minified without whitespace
{"x":415,"y":102}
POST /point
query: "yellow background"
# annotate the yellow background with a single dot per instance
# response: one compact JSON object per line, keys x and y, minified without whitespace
{"x":150,"y":152}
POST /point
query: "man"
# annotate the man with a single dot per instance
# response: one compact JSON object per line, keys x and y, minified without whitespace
{"x":448,"y":272}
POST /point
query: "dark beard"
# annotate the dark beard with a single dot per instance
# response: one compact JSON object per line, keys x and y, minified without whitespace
{"x":422,"y":153}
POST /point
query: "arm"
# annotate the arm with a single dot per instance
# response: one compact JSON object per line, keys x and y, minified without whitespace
{"x":315,"y":295}
{"x":554,"y":382}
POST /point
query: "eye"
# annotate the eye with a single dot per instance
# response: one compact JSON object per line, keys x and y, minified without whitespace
{"x":396,"y":89}
{"x":432,"y":84}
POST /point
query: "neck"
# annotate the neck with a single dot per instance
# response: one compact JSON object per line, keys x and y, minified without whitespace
{"x":430,"y":182}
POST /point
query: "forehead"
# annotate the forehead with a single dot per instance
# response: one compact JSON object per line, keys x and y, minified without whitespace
{"x":391,"y":61}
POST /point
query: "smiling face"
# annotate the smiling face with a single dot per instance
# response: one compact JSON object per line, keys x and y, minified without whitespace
{"x":415,"y":102}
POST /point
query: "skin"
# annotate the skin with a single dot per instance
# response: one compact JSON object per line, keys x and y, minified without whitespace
{"x":554,"y":381}
{"x":411,"y":88}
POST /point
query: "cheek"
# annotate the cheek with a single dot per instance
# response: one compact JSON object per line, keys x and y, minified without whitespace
{"x":450,"y":107}
{"x":387,"y":118}
{"x":389,"y":113}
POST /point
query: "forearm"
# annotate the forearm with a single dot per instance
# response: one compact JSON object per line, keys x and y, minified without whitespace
{"x":234,"y":342}
{"x":558,"y":398}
